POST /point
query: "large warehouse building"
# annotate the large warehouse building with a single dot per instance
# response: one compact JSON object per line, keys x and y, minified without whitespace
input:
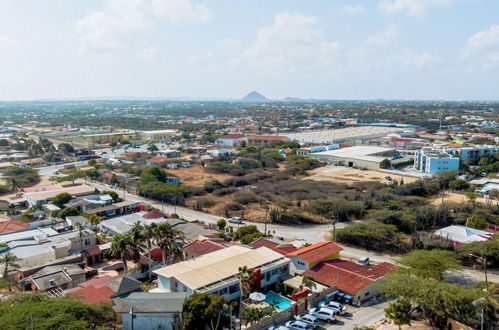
{"x":345,"y":135}
{"x":368,"y":157}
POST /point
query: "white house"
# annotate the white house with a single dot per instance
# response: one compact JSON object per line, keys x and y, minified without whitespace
{"x":232,"y":140}
{"x":216,"y":272}
{"x":459,"y":235}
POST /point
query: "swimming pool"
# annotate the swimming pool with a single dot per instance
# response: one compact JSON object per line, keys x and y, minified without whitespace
{"x":282,"y":303}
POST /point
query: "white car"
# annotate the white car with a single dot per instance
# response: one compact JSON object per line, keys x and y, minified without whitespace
{"x":333,"y":305}
{"x":309,"y":319}
{"x":297,"y":325}
{"x":278,"y":327}
{"x":235,"y":220}
{"x":324,"y":314}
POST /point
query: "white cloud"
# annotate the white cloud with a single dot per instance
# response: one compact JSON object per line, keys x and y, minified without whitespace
{"x":417,"y":8}
{"x":410,"y":60}
{"x":229,"y":42}
{"x":6,"y":42}
{"x":352,"y":9}
{"x":148,"y":53}
{"x":293,"y":42}
{"x":483,"y":41}
{"x":119,"y":22}
{"x":383,"y":37}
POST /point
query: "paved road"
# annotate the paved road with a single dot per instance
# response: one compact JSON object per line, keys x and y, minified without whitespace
{"x":360,"y":316}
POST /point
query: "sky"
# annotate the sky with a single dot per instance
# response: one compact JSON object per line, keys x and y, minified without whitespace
{"x":328,"y":49}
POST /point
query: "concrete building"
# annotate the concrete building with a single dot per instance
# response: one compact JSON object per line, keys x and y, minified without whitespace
{"x":157,"y":135}
{"x":232,"y":140}
{"x":46,"y":195}
{"x":149,"y":311}
{"x":216,"y":272}
{"x":368,"y":157}
{"x":307,"y":257}
{"x":344,"y":135}
{"x":266,"y":140}
{"x":310,"y":150}
{"x":472,"y":153}
{"x":124,"y":224}
{"x":432,"y":161}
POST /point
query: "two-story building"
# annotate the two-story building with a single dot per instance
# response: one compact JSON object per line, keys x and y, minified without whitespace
{"x":216,"y":272}
{"x":307,"y":257}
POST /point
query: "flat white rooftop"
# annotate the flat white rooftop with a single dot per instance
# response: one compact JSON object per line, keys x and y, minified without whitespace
{"x":344,"y":134}
{"x":219,"y":265}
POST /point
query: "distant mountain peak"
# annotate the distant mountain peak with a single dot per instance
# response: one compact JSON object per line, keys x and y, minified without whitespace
{"x":254,"y":96}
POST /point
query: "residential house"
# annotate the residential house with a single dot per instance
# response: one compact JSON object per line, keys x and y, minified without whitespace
{"x":216,"y":272}
{"x":275,"y":244}
{"x":149,"y":311}
{"x":266,"y":140}
{"x":87,"y":203}
{"x":232,"y":140}
{"x":105,"y":288}
{"x":54,"y":279}
{"x":169,"y":153}
{"x":123,"y":224}
{"x":7,"y":225}
{"x":307,"y":257}
{"x":157,"y":161}
{"x":43,"y":197}
{"x":459,"y":235}
{"x":356,"y":280}
{"x":201,"y":247}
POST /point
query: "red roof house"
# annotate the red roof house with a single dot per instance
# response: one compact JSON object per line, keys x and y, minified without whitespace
{"x":154,"y":214}
{"x":307,"y":257}
{"x":200,"y":247}
{"x":10,"y":226}
{"x":274,"y":244}
{"x":352,"y":278}
{"x":103,"y":289}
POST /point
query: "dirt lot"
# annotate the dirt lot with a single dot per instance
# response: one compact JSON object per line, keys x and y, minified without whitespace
{"x":196,"y":176}
{"x":342,"y":174}
{"x":451,"y":197}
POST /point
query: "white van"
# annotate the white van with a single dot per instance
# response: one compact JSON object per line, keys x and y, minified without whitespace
{"x":324,"y":314}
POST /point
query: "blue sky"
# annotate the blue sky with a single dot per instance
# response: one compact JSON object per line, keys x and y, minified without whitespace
{"x":343,"y":49}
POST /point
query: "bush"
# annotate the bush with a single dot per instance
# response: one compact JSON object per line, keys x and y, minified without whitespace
{"x":221,"y":224}
{"x":246,"y":197}
{"x":212,"y":185}
{"x":488,"y":249}
{"x":476,"y":221}
{"x":372,"y":235}
{"x":224,"y":191}
{"x":222,"y":167}
{"x":61,"y":199}
{"x":249,"y":163}
{"x":459,"y":185}
{"x":340,"y":209}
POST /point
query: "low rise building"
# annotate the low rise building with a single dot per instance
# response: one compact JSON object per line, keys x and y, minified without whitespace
{"x":307,"y":257}
{"x":149,"y":311}
{"x":369,"y":157}
{"x":358,"y":281}
{"x":124,"y":224}
{"x":459,"y":235}
{"x":266,"y":140}
{"x":432,"y":161}
{"x":232,"y":140}
{"x":44,"y":196}
{"x":216,"y":272}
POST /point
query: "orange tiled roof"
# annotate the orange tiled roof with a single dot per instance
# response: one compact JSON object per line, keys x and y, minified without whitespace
{"x":12,"y":226}
{"x":316,"y":252}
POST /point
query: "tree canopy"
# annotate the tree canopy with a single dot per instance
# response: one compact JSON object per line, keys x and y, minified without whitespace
{"x":204,"y":310}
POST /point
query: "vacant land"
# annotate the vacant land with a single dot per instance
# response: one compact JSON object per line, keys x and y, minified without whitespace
{"x":197,"y":176}
{"x":348,"y":175}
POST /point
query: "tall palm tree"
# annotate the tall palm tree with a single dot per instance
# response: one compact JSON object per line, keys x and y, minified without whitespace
{"x":120,"y":246}
{"x":80,"y":228}
{"x":148,"y":232}
{"x":169,"y":240}
{"x":8,"y":260}
{"x":137,"y":237}
{"x":13,"y":184}
{"x":246,"y":280}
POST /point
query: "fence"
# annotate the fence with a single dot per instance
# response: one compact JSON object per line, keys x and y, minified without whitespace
{"x":276,"y":318}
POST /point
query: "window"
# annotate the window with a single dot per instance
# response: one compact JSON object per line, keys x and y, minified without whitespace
{"x":274,"y":271}
{"x":87,"y":241}
{"x":233,"y":288}
{"x":223,"y":291}
{"x":367,"y":293}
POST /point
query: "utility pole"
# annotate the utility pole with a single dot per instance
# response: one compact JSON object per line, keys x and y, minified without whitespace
{"x":333,"y":222}
{"x":484,"y":265}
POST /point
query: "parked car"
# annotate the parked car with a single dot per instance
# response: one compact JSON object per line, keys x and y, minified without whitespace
{"x":309,"y":319}
{"x":334,"y":305}
{"x":235,"y":220}
{"x":324,"y":314}
{"x":298,"y":325}
{"x":278,"y":327}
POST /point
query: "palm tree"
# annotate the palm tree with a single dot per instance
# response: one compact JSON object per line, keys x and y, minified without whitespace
{"x":94,"y":219}
{"x":308,"y":282}
{"x":8,"y":260}
{"x":120,"y":246}
{"x":169,"y":240}
{"x":148,"y":234}
{"x":79,"y":227}
{"x":137,"y":237}
{"x":246,"y":280}
{"x":13,"y":184}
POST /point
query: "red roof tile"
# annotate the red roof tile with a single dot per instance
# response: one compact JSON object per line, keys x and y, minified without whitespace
{"x":95,"y":291}
{"x":154,"y":214}
{"x":232,"y":136}
{"x":200,"y":247}
{"x":316,"y":252}
{"x":93,"y":251}
{"x":12,"y":225}
{"x":280,"y":248}
{"x":349,"y":277}
{"x":156,"y":254}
